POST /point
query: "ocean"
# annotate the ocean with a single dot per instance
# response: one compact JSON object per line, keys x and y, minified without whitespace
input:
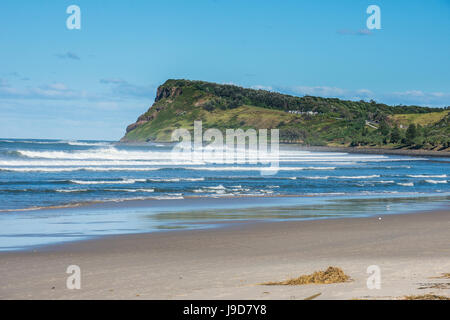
{"x":53,"y":191}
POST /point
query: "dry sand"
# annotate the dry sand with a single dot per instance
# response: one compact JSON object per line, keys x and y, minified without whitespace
{"x":231,"y":262}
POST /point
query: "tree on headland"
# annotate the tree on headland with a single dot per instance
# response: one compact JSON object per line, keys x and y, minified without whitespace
{"x":384,"y":128}
{"x":411,"y":134}
{"x":395,"y":135}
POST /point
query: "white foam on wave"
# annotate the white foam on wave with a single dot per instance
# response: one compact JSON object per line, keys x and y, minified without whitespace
{"x":130,"y":190}
{"x":342,"y":177}
{"x":219,"y":187}
{"x":427,"y":175}
{"x":10,"y":169}
{"x":106,"y":169}
{"x":406,"y":184}
{"x":232,"y":168}
{"x":71,"y":190}
{"x":71,"y":169}
{"x":318,"y":178}
{"x":124,"y":181}
{"x":55,"y":163}
{"x":164,"y":180}
{"x":436,"y":181}
{"x":357,"y":177}
{"x":175,"y":179}
{"x":266,"y":191}
{"x":168,"y":197}
{"x":99,"y":154}
{"x":112,"y":153}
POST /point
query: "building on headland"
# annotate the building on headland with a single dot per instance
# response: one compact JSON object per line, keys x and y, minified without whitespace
{"x":303,"y":112}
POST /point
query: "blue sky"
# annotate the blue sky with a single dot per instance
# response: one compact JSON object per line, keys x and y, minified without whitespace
{"x":91,"y":83}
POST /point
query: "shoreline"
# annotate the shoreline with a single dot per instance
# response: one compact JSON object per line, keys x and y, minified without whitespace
{"x":363,"y":150}
{"x":232,"y":262}
{"x":72,"y":224}
{"x":379,"y":151}
{"x":146,"y":201}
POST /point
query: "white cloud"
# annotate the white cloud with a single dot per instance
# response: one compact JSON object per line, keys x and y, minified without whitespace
{"x":412,"y":93}
{"x":68,"y":55}
{"x":113,"y":81}
{"x":122,"y":88}
{"x":318,"y":91}
{"x":261,"y":87}
{"x":366,"y":92}
{"x":419,"y":97}
{"x":57,"y":86}
{"x":408,"y":97}
{"x":48,"y":91}
{"x":360,"y":32}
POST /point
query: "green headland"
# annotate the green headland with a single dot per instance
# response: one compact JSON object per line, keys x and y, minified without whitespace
{"x":308,"y":120}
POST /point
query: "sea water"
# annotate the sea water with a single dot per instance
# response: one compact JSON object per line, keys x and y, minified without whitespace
{"x":53,"y":191}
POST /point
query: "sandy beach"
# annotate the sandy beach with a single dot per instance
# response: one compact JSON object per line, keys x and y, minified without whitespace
{"x":231,"y":262}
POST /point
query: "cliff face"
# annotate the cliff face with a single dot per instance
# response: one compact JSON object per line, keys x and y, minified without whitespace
{"x":307,"y":120}
{"x":164,"y":91}
{"x":179,"y":103}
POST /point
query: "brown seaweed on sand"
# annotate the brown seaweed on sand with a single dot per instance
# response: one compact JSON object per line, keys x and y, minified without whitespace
{"x":331,"y":275}
{"x":426,"y":297}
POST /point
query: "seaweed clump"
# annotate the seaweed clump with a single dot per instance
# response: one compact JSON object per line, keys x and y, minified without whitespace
{"x":331,"y":275}
{"x":426,"y":297}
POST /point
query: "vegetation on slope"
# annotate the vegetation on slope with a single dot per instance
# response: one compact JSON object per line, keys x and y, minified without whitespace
{"x":330,"y":121}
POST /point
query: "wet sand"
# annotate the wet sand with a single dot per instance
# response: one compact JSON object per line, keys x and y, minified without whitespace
{"x":230,"y":262}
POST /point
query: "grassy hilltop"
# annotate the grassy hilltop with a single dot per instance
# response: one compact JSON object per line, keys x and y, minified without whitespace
{"x":308,"y":120}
